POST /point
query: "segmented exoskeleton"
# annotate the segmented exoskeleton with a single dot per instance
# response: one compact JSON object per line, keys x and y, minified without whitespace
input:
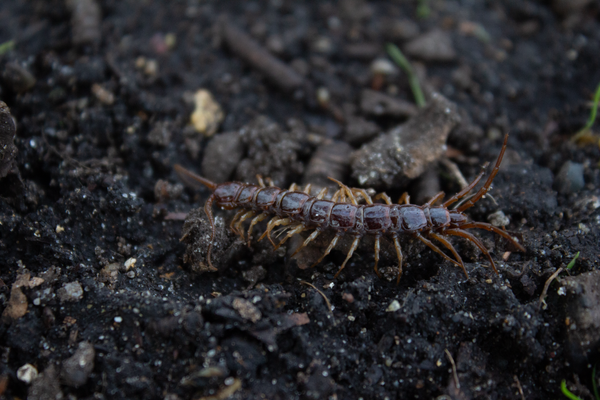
{"x":299,"y":211}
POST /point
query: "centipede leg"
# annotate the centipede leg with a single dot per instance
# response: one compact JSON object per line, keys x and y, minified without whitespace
{"x":336,"y":196}
{"x":239,"y":223}
{"x":346,"y":189}
{"x":293,"y":187}
{"x":399,"y":254}
{"x":405,"y":198}
{"x":452,"y":250}
{"x":270,"y":182}
{"x":435,"y":248}
{"x":434,"y":199}
{"x":255,"y":221}
{"x":322,"y":193}
{"x":350,"y":252}
{"x":492,"y":228}
{"x":470,"y":237}
{"x":291,"y":233}
{"x":377,"y":255}
{"x":307,"y":189}
{"x":385,"y":198}
{"x":260,"y":180}
{"x":328,"y":250}
{"x":236,"y":224}
{"x":363,"y":193}
{"x":234,"y":220}
{"x":307,"y":241}
{"x":272,"y":224}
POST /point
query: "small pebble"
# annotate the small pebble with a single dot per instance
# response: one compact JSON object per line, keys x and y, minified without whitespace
{"x":223,"y":154}
{"x":246,"y":309}
{"x":17,"y":305}
{"x":394,"y":306}
{"x":27,"y":373}
{"x":570,"y":178}
{"x":435,"y":45}
{"x":498,"y":219}
{"x":130,"y":263}
{"x":18,"y":77}
{"x":71,"y":291}
{"x":103,"y":95}
{"x":77,"y":368}
{"x":207,"y":115}
{"x":85,"y":21}
{"x":383,"y":66}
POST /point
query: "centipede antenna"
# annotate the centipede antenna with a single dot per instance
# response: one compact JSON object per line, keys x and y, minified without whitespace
{"x":486,"y":186}
{"x":191,"y":179}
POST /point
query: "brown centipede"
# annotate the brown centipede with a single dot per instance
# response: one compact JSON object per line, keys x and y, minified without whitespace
{"x":299,"y":211}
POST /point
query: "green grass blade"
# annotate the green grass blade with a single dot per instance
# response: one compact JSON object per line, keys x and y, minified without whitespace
{"x":6,"y":46}
{"x":423,"y":9}
{"x":592,"y":117}
{"x":566,"y":392}
{"x":413,"y":80}
{"x":572,"y":262}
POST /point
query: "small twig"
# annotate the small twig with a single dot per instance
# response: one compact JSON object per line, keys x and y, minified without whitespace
{"x":519,"y":388}
{"x":413,"y":79}
{"x":547,"y":285}
{"x":454,"y":172}
{"x":321,"y":293}
{"x":245,"y":47}
{"x":453,"y":368}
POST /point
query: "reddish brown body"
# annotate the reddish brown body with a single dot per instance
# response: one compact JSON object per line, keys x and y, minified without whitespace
{"x":299,"y":211}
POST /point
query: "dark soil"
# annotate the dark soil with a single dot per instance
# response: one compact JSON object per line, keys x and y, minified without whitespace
{"x":102,"y":299}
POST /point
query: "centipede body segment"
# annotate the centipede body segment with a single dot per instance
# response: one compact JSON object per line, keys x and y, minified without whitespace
{"x":299,"y":211}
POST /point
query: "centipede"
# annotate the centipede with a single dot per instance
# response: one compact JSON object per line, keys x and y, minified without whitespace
{"x":352,"y":212}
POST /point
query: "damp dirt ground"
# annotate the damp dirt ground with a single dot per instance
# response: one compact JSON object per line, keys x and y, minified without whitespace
{"x":101,"y":300}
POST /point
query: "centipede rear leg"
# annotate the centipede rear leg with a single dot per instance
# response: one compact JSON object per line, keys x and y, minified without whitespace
{"x":470,"y":237}
{"x":435,"y":248}
{"x":449,"y":246}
